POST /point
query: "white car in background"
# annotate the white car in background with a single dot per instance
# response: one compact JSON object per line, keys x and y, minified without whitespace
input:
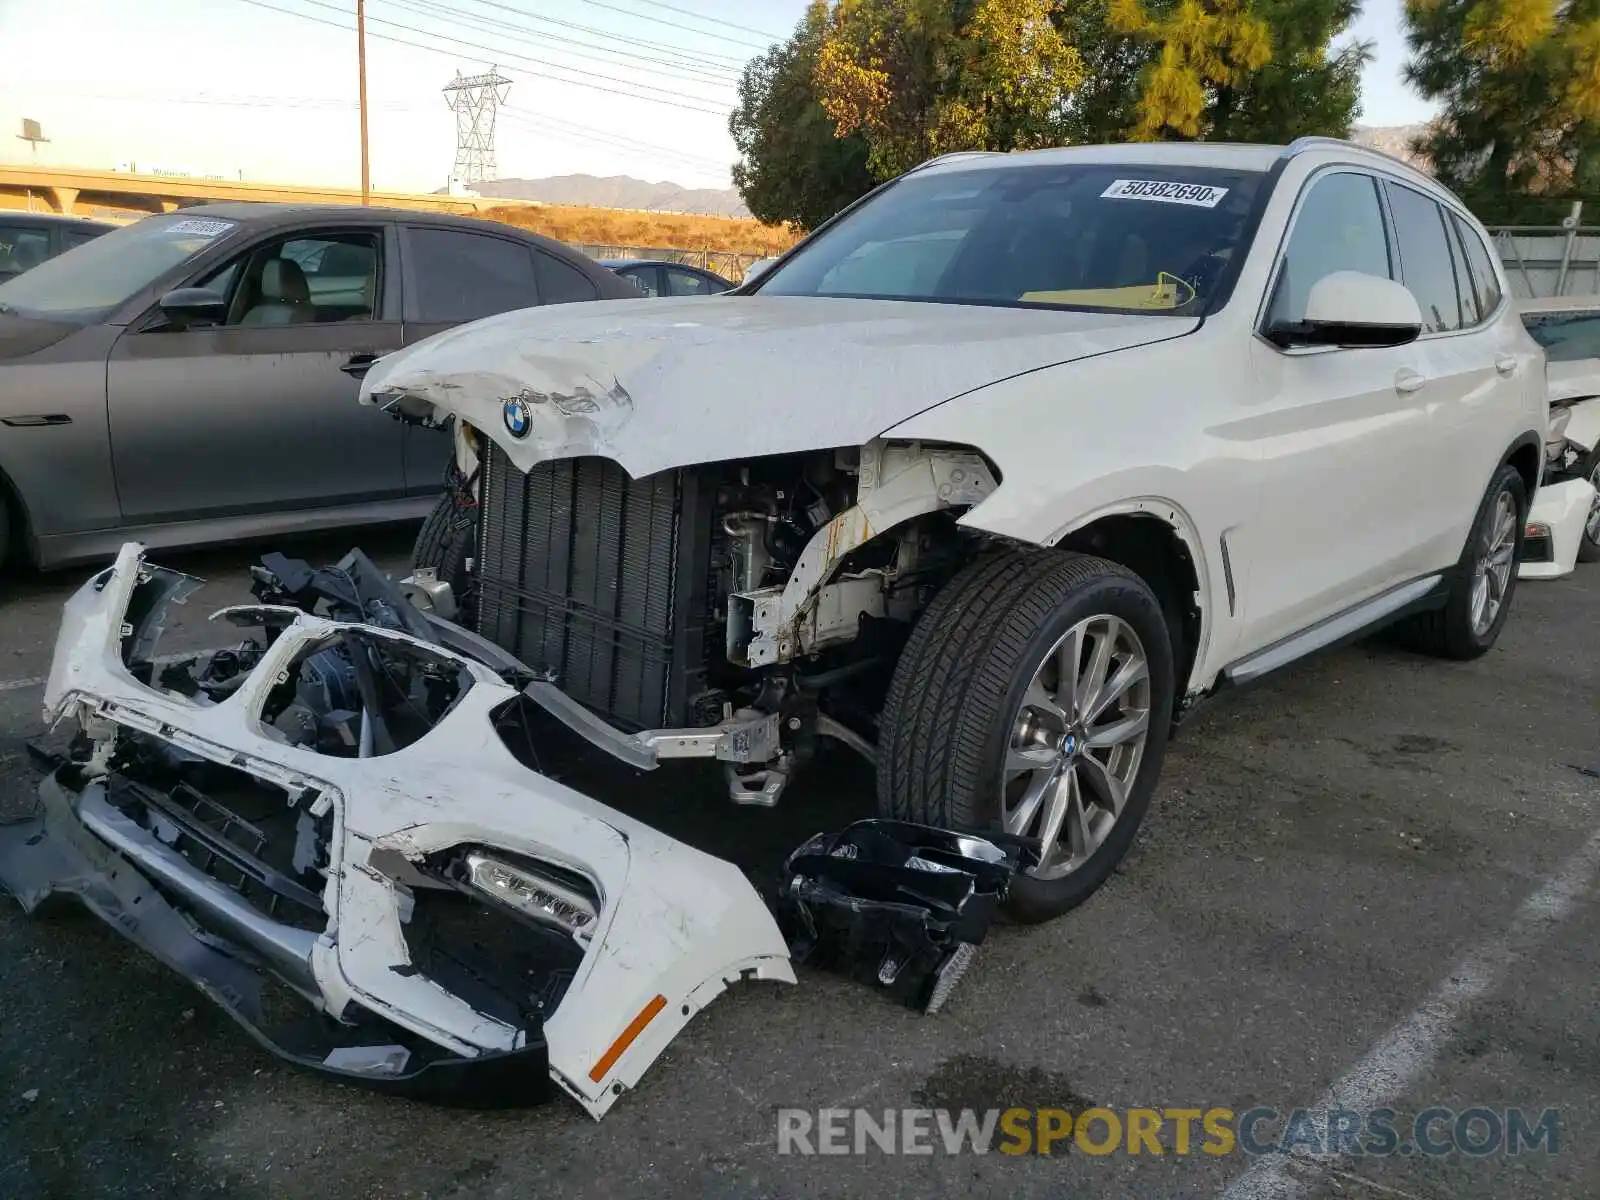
{"x":1564,"y":522}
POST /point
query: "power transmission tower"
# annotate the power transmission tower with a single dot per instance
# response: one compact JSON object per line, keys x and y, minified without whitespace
{"x":476,"y":99}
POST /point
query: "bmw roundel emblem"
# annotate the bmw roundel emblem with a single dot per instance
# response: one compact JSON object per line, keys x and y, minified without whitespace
{"x":518,"y":419}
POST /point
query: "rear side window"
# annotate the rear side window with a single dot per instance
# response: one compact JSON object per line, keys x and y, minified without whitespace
{"x":22,"y":248}
{"x":1339,"y":228}
{"x":1427,"y":265}
{"x":562,"y":283}
{"x":687,"y":283}
{"x":1485,"y":283}
{"x":463,"y":276}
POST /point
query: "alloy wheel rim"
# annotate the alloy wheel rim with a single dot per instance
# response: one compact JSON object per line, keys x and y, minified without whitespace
{"x":1591,"y":527}
{"x":1491,"y":576}
{"x":1076,"y":743}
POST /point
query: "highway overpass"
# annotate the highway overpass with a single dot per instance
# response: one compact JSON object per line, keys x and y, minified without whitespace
{"x":120,"y":194}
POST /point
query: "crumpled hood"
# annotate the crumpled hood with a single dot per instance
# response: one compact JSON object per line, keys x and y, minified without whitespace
{"x":664,"y":383}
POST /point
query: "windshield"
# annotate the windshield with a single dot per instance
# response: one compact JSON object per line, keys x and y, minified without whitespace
{"x":89,"y":281}
{"x":1135,"y":238}
{"x":1566,"y":336}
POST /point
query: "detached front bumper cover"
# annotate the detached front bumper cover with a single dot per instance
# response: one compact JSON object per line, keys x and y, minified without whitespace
{"x":672,"y":926}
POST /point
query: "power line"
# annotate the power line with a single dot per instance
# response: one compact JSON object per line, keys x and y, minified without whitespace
{"x":722,"y":37}
{"x":699,"y":57}
{"x":493,"y":56}
{"x":760,"y":33}
{"x":660,"y":66}
{"x":543,"y":62}
{"x":585,"y":134}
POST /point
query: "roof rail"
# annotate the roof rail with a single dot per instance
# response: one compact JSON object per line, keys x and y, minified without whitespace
{"x":1314,"y":141}
{"x":953,"y":155}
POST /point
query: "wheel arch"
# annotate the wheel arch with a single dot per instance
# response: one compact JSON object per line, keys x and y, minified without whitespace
{"x":17,"y":541}
{"x":1157,"y":541}
{"x":1526,"y":454}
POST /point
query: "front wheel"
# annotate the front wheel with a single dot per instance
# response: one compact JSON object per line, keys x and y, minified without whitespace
{"x":1034,"y":696}
{"x":445,"y":544}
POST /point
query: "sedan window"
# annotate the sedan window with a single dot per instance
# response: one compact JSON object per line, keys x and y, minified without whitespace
{"x":463,"y":276}
{"x":96,"y":278}
{"x":687,"y":283}
{"x":22,"y":248}
{"x":302,"y":280}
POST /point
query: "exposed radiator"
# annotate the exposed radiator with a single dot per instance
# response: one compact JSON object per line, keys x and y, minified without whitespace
{"x":599,"y":578}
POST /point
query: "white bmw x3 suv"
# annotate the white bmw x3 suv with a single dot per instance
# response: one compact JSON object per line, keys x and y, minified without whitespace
{"x":996,"y":475}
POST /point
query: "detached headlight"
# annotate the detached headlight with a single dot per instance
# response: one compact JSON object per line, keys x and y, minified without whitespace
{"x":533,"y":893}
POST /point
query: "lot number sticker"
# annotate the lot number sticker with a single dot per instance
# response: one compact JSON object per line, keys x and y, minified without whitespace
{"x":1198,"y":195}
{"x":200,"y":227}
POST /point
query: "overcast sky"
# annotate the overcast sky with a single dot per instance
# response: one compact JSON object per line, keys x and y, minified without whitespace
{"x":619,"y":87}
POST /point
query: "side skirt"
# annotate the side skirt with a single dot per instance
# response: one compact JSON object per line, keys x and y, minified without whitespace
{"x":1419,"y":595}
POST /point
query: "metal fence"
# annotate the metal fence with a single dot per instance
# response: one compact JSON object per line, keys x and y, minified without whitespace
{"x":729,"y":265}
{"x":1551,"y":260}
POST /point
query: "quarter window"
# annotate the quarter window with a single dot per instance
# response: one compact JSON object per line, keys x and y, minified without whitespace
{"x":1485,"y":283}
{"x":561,"y":283}
{"x":1339,"y":228}
{"x":464,"y":276}
{"x":1427,"y":266}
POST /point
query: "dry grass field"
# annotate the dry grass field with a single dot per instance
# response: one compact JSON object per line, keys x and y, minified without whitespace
{"x":624,"y":227}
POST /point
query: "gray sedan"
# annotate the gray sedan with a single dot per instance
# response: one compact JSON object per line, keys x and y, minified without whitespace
{"x":192,"y":378}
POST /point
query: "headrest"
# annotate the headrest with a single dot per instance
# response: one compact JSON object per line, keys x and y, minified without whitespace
{"x":283,"y":280}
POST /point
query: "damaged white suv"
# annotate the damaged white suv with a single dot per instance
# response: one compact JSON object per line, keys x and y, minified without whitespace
{"x":988,"y":481}
{"x":996,"y":474}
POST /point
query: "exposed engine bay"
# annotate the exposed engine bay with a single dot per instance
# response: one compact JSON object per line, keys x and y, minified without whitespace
{"x":346,"y":829}
{"x":762,"y":603}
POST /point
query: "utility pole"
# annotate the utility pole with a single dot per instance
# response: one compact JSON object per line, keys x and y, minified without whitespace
{"x":361,"y":62}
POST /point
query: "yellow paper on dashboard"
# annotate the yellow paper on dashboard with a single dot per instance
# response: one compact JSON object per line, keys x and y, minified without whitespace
{"x":1168,"y":291}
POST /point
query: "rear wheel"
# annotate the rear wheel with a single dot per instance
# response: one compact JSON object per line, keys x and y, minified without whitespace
{"x":445,"y":544}
{"x":1486,"y":577}
{"x":5,"y":528}
{"x":1034,"y":696}
{"x":1589,"y":543}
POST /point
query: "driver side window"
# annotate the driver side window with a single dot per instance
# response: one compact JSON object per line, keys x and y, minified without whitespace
{"x":1339,"y":228}
{"x":302,"y":280}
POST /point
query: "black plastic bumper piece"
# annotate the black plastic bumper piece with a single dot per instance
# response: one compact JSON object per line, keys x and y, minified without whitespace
{"x":897,"y":905}
{"x":53,"y":854}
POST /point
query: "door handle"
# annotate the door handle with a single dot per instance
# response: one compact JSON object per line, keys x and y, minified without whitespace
{"x":358,"y":364}
{"x":1407,"y":381}
{"x":1506,"y":364}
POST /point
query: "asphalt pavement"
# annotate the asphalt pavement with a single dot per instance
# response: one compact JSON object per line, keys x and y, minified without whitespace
{"x":1369,"y":883}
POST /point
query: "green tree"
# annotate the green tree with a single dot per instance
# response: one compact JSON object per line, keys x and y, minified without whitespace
{"x":1518,"y":83}
{"x":1242,"y":70}
{"x":918,"y":78}
{"x":793,"y":167}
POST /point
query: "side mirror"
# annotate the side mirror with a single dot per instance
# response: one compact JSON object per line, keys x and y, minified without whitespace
{"x":1353,"y":309}
{"x":758,"y":268}
{"x":191,"y":305}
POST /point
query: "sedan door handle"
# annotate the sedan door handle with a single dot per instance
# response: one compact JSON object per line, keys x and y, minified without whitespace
{"x":359,"y":364}
{"x":1407,"y":381}
{"x":1506,"y":364}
